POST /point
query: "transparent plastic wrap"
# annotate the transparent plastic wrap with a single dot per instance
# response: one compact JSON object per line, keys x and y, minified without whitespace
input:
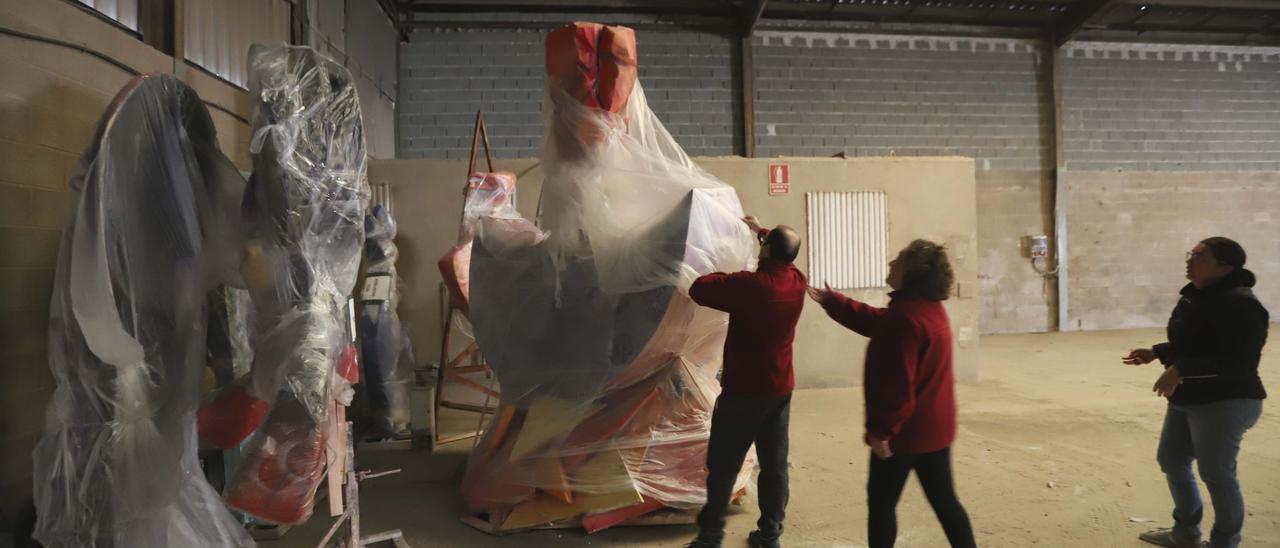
{"x":383,"y":342}
{"x":608,"y":369}
{"x":303,"y":234}
{"x":153,"y":233}
{"x":491,"y":196}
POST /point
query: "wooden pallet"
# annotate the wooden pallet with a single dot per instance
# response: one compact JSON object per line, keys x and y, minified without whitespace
{"x":665,"y":516}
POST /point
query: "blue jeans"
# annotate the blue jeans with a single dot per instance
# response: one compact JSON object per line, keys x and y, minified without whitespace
{"x":1209,"y":434}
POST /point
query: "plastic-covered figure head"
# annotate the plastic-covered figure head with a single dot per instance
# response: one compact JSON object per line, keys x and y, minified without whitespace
{"x":591,"y":72}
{"x":154,"y":230}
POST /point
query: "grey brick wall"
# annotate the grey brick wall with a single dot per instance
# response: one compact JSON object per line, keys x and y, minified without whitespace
{"x":1173,"y":118}
{"x":689,"y":81}
{"x":818,"y":94}
{"x":446,"y":75}
{"x":1129,"y":231}
{"x":867,"y":95}
{"x":1012,"y":297}
{"x":1171,"y":108}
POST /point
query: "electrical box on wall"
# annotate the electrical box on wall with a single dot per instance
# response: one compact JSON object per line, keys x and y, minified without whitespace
{"x":1038,"y":246}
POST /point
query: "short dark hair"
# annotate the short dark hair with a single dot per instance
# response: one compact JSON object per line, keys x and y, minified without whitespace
{"x":783,"y":243}
{"x":926,"y":270}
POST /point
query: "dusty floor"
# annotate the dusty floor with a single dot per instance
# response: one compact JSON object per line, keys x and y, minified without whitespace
{"x":1056,"y":449}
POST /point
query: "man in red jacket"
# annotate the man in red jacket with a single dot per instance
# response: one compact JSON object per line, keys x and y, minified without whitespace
{"x":910,"y":395}
{"x":755,"y":404}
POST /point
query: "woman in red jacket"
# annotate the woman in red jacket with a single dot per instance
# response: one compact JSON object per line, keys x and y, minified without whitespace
{"x":910,"y":397}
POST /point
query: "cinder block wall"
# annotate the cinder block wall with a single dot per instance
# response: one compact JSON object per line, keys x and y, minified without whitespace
{"x":819,"y":94}
{"x":50,"y":102}
{"x":1166,"y":145}
{"x":446,"y":75}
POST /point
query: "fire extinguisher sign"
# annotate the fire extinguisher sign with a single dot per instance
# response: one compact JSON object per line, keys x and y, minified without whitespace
{"x":779,"y":179}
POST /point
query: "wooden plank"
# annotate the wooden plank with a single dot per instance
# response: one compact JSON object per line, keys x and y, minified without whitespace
{"x":665,"y":517}
{"x":471,"y":349}
{"x":550,"y":478}
{"x":595,"y":523}
{"x":456,"y":437}
{"x":468,"y":407}
{"x":548,"y":418}
{"x":385,"y":536}
{"x":335,"y":449}
{"x":479,"y":524}
{"x":603,"y":484}
{"x":475,"y":385}
{"x":464,"y":369}
{"x":501,"y":427}
{"x":607,"y":422}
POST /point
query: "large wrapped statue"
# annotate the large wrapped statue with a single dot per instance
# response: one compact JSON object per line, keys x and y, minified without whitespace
{"x":608,"y":369}
{"x":386,"y":359}
{"x":303,"y":235}
{"x":154,"y":230}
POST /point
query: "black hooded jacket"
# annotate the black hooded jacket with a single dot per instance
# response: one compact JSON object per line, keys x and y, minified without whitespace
{"x":1216,"y":335}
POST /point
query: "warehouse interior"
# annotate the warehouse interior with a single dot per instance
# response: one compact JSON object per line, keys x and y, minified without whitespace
{"x":1069,"y":155}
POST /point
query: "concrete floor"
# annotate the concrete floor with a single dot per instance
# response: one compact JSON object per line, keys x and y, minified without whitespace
{"x":1056,"y":448}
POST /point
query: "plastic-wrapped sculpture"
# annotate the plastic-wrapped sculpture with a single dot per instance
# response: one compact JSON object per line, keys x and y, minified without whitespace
{"x":487,"y":195}
{"x":608,"y":369}
{"x":383,"y":346}
{"x":304,"y":217}
{"x":154,"y":231}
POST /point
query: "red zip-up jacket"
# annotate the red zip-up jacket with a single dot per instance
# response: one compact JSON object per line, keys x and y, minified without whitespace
{"x":908,"y":382}
{"x":763,"y":308}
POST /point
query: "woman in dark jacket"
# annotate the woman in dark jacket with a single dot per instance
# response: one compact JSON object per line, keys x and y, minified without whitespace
{"x":1211,"y":379}
{"x":910,"y":396}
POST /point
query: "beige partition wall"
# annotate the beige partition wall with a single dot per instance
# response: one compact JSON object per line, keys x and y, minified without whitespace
{"x":930,"y":198}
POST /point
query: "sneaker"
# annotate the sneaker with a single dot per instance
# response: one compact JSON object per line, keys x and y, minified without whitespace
{"x":757,"y":540}
{"x":702,"y":543}
{"x":1164,"y":537}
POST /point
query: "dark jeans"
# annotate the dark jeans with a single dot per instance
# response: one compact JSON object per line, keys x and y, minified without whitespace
{"x":737,"y":422}
{"x":884,"y":488}
{"x":1210,"y":435}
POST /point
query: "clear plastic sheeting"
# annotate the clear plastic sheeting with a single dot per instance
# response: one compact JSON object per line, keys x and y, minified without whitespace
{"x":384,"y":343}
{"x":303,"y":234}
{"x":153,"y":232}
{"x":608,"y":369}
{"x":490,"y":196}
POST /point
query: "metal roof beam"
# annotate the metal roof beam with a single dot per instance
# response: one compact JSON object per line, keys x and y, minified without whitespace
{"x":1213,"y":4}
{"x":752,"y":11}
{"x":660,"y":7}
{"x":1079,"y":17}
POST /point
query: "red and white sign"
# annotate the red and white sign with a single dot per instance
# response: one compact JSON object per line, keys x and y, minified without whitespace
{"x":779,"y":179}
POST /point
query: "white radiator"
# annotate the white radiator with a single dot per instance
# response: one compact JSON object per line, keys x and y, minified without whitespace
{"x":380,"y":194}
{"x":848,"y":233}
{"x":219,"y":33}
{"x":124,"y":12}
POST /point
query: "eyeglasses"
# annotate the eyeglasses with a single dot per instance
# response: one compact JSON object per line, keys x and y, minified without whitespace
{"x":1201,"y":257}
